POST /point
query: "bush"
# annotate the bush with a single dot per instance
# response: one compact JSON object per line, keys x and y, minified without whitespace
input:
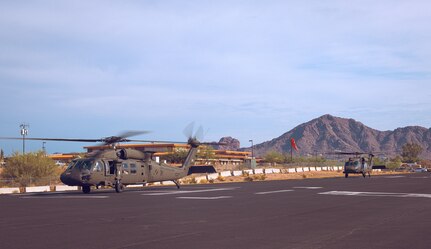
{"x":248,"y":179}
{"x":221,"y":178}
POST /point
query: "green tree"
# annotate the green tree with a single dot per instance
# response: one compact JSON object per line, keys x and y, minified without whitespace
{"x":274,"y":157}
{"x":410,"y":152}
{"x":29,"y":168}
{"x":177,"y":156}
{"x":394,"y":163}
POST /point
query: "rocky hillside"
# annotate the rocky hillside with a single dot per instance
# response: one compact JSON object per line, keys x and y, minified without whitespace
{"x":229,"y":143}
{"x":329,"y":133}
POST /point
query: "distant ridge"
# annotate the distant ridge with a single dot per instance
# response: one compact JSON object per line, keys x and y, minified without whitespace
{"x":328,"y":133}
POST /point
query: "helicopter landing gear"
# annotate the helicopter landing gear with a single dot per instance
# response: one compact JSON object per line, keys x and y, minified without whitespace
{"x":176,"y":183}
{"x":364,"y":174}
{"x":369,"y":174}
{"x":346,"y":175}
{"x":86,"y":189}
{"x":119,"y":187}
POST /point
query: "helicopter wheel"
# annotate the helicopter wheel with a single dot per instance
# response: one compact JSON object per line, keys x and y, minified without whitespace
{"x":363,"y":174}
{"x":118,"y":186}
{"x":86,"y":189}
{"x":346,"y":175}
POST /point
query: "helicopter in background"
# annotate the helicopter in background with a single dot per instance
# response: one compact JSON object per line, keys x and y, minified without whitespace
{"x":119,"y":168}
{"x":358,"y":163}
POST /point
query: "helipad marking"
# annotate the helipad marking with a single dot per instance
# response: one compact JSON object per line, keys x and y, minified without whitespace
{"x":203,"y":198}
{"x":179,"y":192}
{"x":309,"y":187}
{"x":377,"y":194}
{"x":274,"y":192}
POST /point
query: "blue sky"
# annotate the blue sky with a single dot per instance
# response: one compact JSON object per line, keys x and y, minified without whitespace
{"x":246,"y":69}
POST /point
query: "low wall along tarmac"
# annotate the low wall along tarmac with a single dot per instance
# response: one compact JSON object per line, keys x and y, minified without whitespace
{"x":198,"y":179}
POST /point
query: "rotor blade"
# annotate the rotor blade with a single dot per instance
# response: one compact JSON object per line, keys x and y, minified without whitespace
{"x":199,"y":133}
{"x":127,"y":134}
{"x":188,"y":131}
{"x":154,"y":141}
{"x":54,"y":139}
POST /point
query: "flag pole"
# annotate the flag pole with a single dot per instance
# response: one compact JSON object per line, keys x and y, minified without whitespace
{"x":291,"y":154}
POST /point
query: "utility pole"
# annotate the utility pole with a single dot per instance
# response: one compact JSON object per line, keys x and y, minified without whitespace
{"x":43,"y":147}
{"x":252,"y":150}
{"x":24,"y":132}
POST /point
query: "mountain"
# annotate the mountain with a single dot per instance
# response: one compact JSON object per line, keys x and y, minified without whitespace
{"x":229,"y":143}
{"x":328,"y":133}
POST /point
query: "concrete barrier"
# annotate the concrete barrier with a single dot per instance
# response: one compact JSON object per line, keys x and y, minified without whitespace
{"x":226,"y":173}
{"x":305,"y":169}
{"x":212,"y":176}
{"x":258,"y":171}
{"x":168,"y":183}
{"x":136,"y":185}
{"x":249,"y":171}
{"x":276,"y":171}
{"x":299,"y":170}
{"x":201,"y":178}
{"x":318,"y":168}
{"x":269,"y":171}
{"x":312,"y":168}
{"x":324,"y":168}
{"x":377,"y":170}
{"x":291,"y":170}
{"x":237,"y":173}
{"x":37,"y":189}
{"x":9,"y":190}
{"x":60,"y":188}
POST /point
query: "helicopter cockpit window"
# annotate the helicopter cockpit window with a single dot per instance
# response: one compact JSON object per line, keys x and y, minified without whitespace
{"x":84,"y":164}
{"x":98,"y":166}
{"x":71,"y":164}
{"x":352,"y":163}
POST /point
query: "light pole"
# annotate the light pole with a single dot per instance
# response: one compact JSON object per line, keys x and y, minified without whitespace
{"x":43,"y":147}
{"x":24,"y":132}
{"x":252,"y":150}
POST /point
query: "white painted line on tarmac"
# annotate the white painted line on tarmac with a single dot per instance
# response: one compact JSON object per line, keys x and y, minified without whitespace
{"x":180,"y":192}
{"x":376,"y":194}
{"x":394,"y":176}
{"x":66,"y":197}
{"x":274,"y":192}
{"x":203,"y":198}
{"x":309,"y":187}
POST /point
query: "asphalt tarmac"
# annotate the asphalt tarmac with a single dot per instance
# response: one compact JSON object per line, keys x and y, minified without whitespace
{"x":376,"y":212}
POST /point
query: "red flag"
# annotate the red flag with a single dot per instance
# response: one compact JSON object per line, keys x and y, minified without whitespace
{"x":293,"y":144}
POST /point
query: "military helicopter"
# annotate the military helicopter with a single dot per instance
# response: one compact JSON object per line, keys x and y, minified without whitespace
{"x":358,"y":163}
{"x":119,"y":168}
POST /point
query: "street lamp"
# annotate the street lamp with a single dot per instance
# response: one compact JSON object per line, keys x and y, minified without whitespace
{"x":252,"y":150}
{"x":24,"y":132}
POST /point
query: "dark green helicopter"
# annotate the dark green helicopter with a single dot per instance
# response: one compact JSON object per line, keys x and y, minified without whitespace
{"x":119,"y":168}
{"x":358,"y":163}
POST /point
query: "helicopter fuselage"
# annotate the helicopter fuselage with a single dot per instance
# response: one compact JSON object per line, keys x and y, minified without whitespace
{"x":358,"y":166}
{"x":124,"y":167}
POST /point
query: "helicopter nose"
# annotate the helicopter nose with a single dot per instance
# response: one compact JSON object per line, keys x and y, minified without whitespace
{"x":69,"y":179}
